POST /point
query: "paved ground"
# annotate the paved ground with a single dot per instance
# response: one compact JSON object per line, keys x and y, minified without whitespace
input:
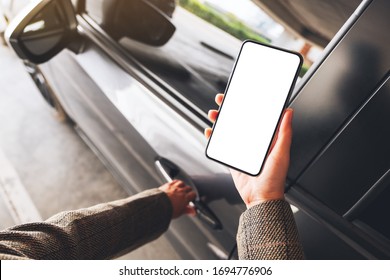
{"x":44,"y":166}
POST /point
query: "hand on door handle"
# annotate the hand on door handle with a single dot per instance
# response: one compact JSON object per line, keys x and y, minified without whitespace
{"x":169,"y":171}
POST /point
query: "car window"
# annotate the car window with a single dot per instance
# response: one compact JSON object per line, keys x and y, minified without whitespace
{"x":374,"y":214}
{"x":197,"y":60}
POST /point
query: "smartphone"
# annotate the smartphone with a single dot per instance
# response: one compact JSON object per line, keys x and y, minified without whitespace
{"x":257,"y":92}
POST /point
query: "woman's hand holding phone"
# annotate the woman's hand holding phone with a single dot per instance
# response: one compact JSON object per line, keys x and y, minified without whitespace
{"x":270,"y":183}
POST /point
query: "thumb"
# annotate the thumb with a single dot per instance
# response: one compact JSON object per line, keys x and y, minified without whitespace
{"x":189,"y":210}
{"x":284,"y":137}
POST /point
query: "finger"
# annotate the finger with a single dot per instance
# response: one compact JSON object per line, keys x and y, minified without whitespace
{"x":190,"y":210}
{"x":219,"y":98}
{"x":191,"y":196}
{"x":178,"y":184}
{"x":213,"y":114}
{"x":275,"y":139}
{"x":207,"y":132}
{"x":186,"y":189}
{"x":284,"y":136}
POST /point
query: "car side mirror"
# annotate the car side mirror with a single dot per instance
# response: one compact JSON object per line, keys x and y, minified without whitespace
{"x":138,"y":20}
{"x":42,"y":30}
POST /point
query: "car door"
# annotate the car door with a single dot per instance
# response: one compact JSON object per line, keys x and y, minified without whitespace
{"x":339,"y":171}
{"x":171,"y":116}
{"x":144,"y":114}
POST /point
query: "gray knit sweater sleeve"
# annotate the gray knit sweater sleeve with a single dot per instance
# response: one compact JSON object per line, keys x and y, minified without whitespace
{"x":268,"y":231}
{"x":98,"y":232}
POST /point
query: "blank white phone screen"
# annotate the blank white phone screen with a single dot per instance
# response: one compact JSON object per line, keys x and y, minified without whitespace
{"x":254,"y":101}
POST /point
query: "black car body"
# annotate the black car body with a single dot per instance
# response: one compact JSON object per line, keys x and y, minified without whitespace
{"x":140,"y":100}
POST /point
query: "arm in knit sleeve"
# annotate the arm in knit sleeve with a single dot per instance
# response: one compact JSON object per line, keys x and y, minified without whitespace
{"x":268,"y":231}
{"x":99,"y":232}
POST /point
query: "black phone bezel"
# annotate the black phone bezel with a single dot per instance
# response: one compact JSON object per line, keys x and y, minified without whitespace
{"x":288,"y":96}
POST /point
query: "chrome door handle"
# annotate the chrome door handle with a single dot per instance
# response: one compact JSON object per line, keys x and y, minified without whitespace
{"x":164,"y":170}
{"x":169,"y":171}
